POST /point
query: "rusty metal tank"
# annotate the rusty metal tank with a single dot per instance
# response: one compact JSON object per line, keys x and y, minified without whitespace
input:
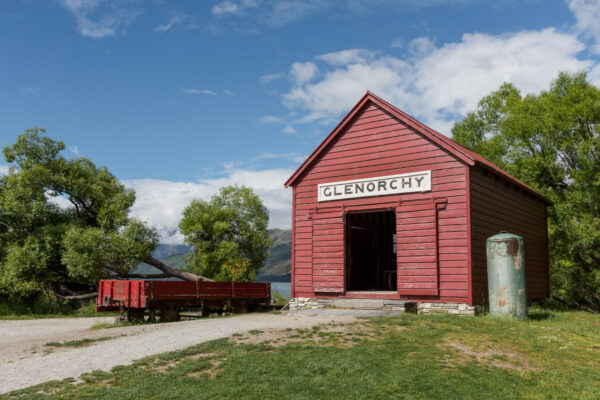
{"x":507,"y":284}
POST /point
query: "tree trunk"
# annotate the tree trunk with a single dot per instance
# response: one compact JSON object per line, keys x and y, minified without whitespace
{"x":78,"y":296}
{"x":186,"y":276}
{"x":148,"y":276}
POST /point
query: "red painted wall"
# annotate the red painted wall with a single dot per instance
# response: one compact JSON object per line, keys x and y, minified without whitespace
{"x":499,"y":206}
{"x":432,"y":238}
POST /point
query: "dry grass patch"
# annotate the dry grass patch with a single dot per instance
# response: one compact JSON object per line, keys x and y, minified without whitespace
{"x":212,"y":371}
{"x":334,"y":334}
{"x":484,"y":352}
{"x":163,"y":367}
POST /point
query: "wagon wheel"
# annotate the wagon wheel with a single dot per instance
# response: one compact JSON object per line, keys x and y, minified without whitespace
{"x":240,"y":307}
{"x":135,"y":315}
{"x":169,"y":313}
{"x":152,"y":315}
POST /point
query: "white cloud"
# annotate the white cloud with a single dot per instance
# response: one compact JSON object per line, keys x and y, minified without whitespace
{"x":228,"y":7}
{"x":4,"y":169}
{"x":284,"y":12}
{"x":177,"y":18}
{"x":289,"y":130}
{"x":438,"y":84}
{"x":344,"y":57}
{"x":268,"y":78}
{"x":74,"y":150}
{"x":594,"y":75}
{"x":303,"y":72}
{"x":270,"y":119}
{"x":587,"y":13}
{"x":100,"y":18}
{"x":160,"y":203}
{"x":228,"y":93}
{"x":199,"y":91}
{"x":277,"y":13}
{"x":295,"y":157}
{"x":225,"y":7}
{"x":421,"y":46}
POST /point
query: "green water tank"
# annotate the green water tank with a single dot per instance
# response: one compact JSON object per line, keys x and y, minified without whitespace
{"x":507,"y":285}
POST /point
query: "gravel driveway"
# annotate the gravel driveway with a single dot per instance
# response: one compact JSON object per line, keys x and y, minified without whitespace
{"x":25,"y":360}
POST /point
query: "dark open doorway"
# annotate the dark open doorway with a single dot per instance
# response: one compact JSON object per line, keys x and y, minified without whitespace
{"x":370,"y":251}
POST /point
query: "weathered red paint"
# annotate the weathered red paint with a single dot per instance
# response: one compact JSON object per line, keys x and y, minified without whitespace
{"x":439,"y":233}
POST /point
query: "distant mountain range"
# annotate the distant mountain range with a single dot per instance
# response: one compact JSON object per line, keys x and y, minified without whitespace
{"x":277,"y":268}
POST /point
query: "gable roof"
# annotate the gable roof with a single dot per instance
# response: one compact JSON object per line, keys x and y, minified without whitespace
{"x":460,"y":152}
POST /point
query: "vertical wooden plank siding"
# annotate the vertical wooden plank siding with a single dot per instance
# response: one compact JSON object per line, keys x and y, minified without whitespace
{"x":302,"y":258}
{"x":417,"y":248}
{"x":293,"y":286}
{"x":328,"y":251}
{"x":374,"y":143}
{"x":499,"y":206}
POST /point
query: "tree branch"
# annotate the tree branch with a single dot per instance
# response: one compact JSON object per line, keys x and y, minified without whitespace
{"x":186,"y":276}
{"x":14,"y":228}
{"x":149,"y":276}
{"x":77,"y":297}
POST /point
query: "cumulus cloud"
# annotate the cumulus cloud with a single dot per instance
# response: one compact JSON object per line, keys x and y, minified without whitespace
{"x":438,"y":84}
{"x":421,"y":46}
{"x":587,"y":14}
{"x":303,"y":72}
{"x":101,"y":18}
{"x":4,"y":169}
{"x":160,"y":202}
{"x":345,"y":57}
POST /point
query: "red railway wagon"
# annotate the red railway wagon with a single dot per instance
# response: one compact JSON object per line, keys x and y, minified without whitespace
{"x":166,"y":298}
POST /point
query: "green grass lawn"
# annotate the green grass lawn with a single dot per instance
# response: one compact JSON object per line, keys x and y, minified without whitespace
{"x":553,"y":355}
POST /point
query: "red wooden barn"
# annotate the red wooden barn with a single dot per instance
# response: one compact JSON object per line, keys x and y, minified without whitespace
{"x":388,"y":208}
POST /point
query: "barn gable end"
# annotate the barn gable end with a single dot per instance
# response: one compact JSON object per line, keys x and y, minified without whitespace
{"x":432,"y":248}
{"x":375,"y":143}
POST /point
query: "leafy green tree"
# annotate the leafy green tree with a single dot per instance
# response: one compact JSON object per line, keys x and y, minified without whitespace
{"x":551,"y":141}
{"x":228,"y":235}
{"x":46,"y":248}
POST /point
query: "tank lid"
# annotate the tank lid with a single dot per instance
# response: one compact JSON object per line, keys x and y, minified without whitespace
{"x":503,"y":235}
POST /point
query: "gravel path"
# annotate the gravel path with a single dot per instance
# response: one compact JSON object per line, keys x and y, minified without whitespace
{"x":25,"y":360}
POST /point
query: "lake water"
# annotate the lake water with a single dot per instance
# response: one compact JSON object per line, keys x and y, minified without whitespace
{"x":283,"y":287}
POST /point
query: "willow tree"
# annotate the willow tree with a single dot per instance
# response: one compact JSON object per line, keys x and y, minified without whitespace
{"x":228,"y":235}
{"x":551,"y":141}
{"x":64,"y":223}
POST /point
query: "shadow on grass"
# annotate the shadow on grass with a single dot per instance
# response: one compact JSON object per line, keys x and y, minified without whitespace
{"x":539,"y":315}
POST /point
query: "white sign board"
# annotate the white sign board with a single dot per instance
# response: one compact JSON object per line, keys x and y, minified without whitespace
{"x":378,"y":186}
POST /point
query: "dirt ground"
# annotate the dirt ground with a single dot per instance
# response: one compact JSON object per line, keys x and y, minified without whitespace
{"x":26,"y":359}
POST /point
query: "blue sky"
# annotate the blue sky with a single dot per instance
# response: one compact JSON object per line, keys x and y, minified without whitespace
{"x":180,"y":97}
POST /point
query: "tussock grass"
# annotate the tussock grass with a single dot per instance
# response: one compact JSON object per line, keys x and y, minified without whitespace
{"x":552,"y":355}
